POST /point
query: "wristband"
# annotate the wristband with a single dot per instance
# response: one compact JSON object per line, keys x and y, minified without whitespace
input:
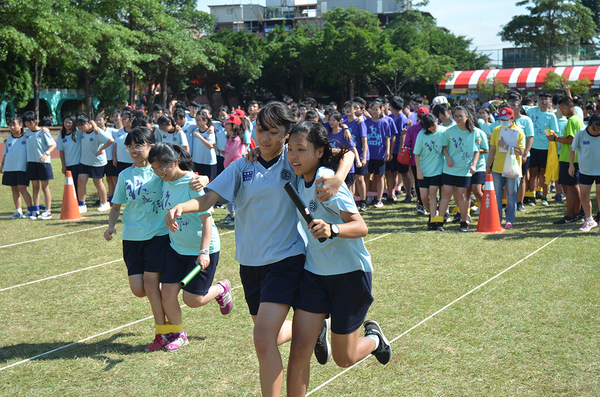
{"x":204,"y":252}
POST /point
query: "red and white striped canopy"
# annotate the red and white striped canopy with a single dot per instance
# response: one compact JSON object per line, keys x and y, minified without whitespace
{"x":519,"y":78}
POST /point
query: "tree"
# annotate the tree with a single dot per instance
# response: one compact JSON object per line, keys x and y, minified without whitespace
{"x":550,"y":24}
{"x":491,"y":87}
{"x":15,"y":79}
{"x":554,"y":82}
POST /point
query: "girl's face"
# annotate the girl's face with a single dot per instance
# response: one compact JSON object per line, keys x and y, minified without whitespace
{"x":68,"y":124}
{"x":116,"y":117}
{"x":127,"y":122}
{"x":303,"y":156}
{"x":201,"y":123}
{"x":348,"y":110}
{"x":229,"y":128}
{"x":434,"y":127}
{"x":100,"y":121}
{"x":270,"y":141}
{"x":15,"y":128}
{"x":166,"y":172}
{"x":333,"y":123}
{"x":166,"y":127}
{"x":406,"y":111}
{"x":375,"y":111}
{"x":460,"y":117}
{"x":85,"y":128}
{"x":139,"y":153}
{"x":593,"y":129}
{"x":223,"y":115}
{"x":357,"y":111}
{"x":444,"y":116}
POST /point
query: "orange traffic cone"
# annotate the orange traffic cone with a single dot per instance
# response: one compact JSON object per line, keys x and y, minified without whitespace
{"x":489,"y":219}
{"x":69,"y":210}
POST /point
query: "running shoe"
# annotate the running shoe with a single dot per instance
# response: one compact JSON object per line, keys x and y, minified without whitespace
{"x":408,"y":199}
{"x":464,"y":227}
{"x":226,"y":219}
{"x":565,"y":221}
{"x":552,"y":188}
{"x":391,"y":199}
{"x":369,"y":200}
{"x":439,"y":227}
{"x":34,"y":215}
{"x":520,"y":207}
{"x":45,"y":215}
{"x":378,"y":204}
{"x":82,"y":209}
{"x":158,"y":343}
{"x":224,"y":299}
{"x":457,"y":218}
{"x":421,"y":209}
{"x":588,"y":225}
{"x":362,"y":206}
{"x":597,"y":217}
{"x":531,"y":201}
{"x":544,"y":202}
{"x":477,"y":211}
{"x":383,"y":353}
{"x":176,"y":340}
{"x":104,"y":207}
{"x":16,"y":215}
{"x":539,"y":195}
{"x":322,"y":347}
{"x":508,"y":225}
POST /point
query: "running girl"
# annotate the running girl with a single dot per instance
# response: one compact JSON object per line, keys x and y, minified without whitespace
{"x":196,"y":242}
{"x":337,"y":274}
{"x":14,"y":167}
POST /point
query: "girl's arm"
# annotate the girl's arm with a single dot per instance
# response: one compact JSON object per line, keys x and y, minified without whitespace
{"x":365,"y":145}
{"x":106,"y":145}
{"x":47,"y":154}
{"x":197,"y":204}
{"x":354,"y":226}
{"x":473,"y":167}
{"x":388,"y":152}
{"x":491,"y":159}
{"x":572,"y":163}
{"x":356,"y":158}
{"x":62,"y":161}
{"x":113,"y":217}
{"x":449,"y":160}
{"x":114,"y":160}
{"x":331,"y":184}
{"x":204,"y":259}
{"x":418,"y":164}
{"x":206,"y":142}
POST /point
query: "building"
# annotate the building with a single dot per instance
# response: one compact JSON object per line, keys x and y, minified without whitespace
{"x":253,"y":18}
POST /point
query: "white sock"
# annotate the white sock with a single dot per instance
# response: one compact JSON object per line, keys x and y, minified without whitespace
{"x":591,"y":218}
{"x":19,"y":210}
{"x":376,"y":339}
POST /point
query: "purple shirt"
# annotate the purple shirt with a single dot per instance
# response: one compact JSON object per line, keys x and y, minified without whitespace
{"x":411,"y":139}
{"x":358,"y":132}
{"x":337,"y":141}
{"x":401,"y":122}
{"x":377,"y":132}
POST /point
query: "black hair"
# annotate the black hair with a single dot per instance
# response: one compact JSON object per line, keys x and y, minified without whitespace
{"x":295,"y":113}
{"x":428,"y":120}
{"x":469,"y":122}
{"x":514,"y":95}
{"x":178,"y":112}
{"x":131,"y":116}
{"x":207,"y":107}
{"x":158,"y":108}
{"x":312,"y":115}
{"x":565,"y":100}
{"x":594,"y":120}
{"x":383,"y":100}
{"x":238,"y":131}
{"x":29,"y":116}
{"x":556,"y":98}
{"x":527,"y":101}
{"x":317,"y":135}
{"x":140,"y":136}
{"x":417,"y":98}
{"x":397,"y":103}
{"x":118,"y":111}
{"x":81,"y":120}
{"x":361,"y":102}
{"x":166,"y":120}
{"x":304,"y":105}
{"x":253,"y":103}
{"x":63,"y":130}
{"x":167,"y":153}
{"x":180,"y":105}
{"x":336,"y":115}
{"x":544,"y":94}
{"x":204,"y":117}
{"x":274,"y":115}
{"x":195,"y":104}
{"x":144,"y":121}
{"x":288,"y":100}
{"x":312,"y":102}
{"x":333,"y":104}
{"x":224,"y":109}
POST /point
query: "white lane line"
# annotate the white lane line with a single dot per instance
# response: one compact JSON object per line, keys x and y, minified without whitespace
{"x":46,"y":238}
{"x":83,"y":340}
{"x":438,"y":312}
{"x":73,"y":271}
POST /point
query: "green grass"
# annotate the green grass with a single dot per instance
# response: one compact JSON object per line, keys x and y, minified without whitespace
{"x":533,"y":331}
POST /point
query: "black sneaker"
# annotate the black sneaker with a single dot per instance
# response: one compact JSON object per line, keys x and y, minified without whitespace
{"x":407,"y":199}
{"x":597,"y":217}
{"x":520,"y":207}
{"x":531,"y":201}
{"x":383,"y":353}
{"x":539,"y":195}
{"x":446,"y":217}
{"x":565,"y":221}
{"x":439,"y":227}
{"x":464,"y":227}
{"x":431,"y":226}
{"x":391,"y":200}
{"x":322,"y":347}
{"x":457,"y":217}
{"x":362,"y":206}
{"x":384,"y":196}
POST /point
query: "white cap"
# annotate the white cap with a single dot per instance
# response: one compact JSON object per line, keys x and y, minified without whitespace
{"x":438,"y":100}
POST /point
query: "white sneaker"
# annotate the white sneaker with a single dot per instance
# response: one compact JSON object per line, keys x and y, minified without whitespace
{"x":588,"y":225}
{"x":16,"y":215}
{"x":104,"y":207}
{"x":45,"y":215}
{"x":34,"y":215}
{"x":26,"y":214}
{"x":82,"y":209}
{"x":476,"y":212}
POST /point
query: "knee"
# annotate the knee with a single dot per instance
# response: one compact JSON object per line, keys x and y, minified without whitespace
{"x":342,"y":360}
{"x":192,"y":301}
{"x":138,"y":290}
{"x":263,"y":341}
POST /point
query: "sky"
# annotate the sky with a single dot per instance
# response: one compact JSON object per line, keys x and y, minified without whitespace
{"x":479,"y":20}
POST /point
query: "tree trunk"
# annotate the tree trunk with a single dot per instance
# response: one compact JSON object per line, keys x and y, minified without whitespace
{"x":88,"y":93}
{"x":132,"y":88}
{"x":164,"y":88}
{"x":351,"y":87}
{"x":37,"y":80}
{"x":150,"y":96}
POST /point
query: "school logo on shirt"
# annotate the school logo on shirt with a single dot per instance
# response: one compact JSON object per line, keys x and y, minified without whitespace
{"x":164,"y":137}
{"x":585,"y":142}
{"x":286,"y":175}
{"x":312,"y":205}
{"x":23,"y":143}
{"x":247,"y":176}
{"x":10,"y":144}
{"x":92,"y":139}
{"x":65,"y":140}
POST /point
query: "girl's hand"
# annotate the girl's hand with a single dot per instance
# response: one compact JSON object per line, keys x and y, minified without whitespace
{"x":109,"y":233}
{"x":472,"y":169}
{"x":99,"y":152}
{"x":347,"y":134}
{"x":64,"y":170}
{"x":488,"y":169}
{"x":501,"y":142}
{"x":572,"y":170}
{"x":330,"y":186}
{"x":320,"y":229}
{"x":203,"y":260}
{"x":43,"y":158}
{"x":171,"y":218}
{"x":253,"y":155}
{"x":420,"y":175}
{"x":198,"y":182}
{"x":177,"y":127}
{"x":114,"y":162}
{"x":449,"y":161}
{"x":364,"y":163}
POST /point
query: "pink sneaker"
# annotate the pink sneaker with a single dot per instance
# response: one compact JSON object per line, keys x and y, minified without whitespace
{"x":224,"y":300}
{"x":177,"y":340}
{"x":588,"y":225}
{"x":158,"y":343}
{"x":508,"y":225}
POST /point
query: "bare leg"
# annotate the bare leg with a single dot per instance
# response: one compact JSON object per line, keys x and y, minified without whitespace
{"x":101,"y":190}
{"x":47,"y":195}
{"x":25,"y":194}
{"x":152,"y":289}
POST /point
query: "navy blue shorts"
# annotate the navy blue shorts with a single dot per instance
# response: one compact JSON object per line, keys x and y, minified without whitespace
{"x":110,"y":169}
{"x":350,"y":179}
{"x":276,"y":283}
{"x":178,"y":266}
{"x":538,"y":158}
{"x":346,"y":297}
{"x":362,"y":170}
{"x":376,"y":167}
{"x":428,"y":181}
{"x":525,"y":166}
{"x":93,"y":172}
{"x":458,"y":181}
{"x":145,"y":256}
{"x":589,"y":179}
{"x":39,"y":171}
{"x":220,"y":164}
{"x":478,"y":178}
{"x":402,"y":168}
{"x":15,"y":178}
{"x":122,"y":166}
{"x":206,"y":169}
{"x":563,"y":174}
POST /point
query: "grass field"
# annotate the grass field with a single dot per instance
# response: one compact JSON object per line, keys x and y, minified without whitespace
{"x":530,"y":331}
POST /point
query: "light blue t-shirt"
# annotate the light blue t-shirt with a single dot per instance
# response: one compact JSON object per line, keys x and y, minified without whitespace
{"x":109,"y":150}
{"x":587,"y":147}
{"x":542,"y":121}
{"x":141,"y":190}
{"x":70,"y":148}
{"x":200,"y":153}
{"x":266,"y":228}
{"x":174,"y":138}
{"x":429,"y":149}
{"x":461,"y":148}
{"x":15,"y":154}
{"x":527,"y":126}
{"x":484,"y":127}
{"x":338,"y":255}
{"x":221,"y":136}
{"x":122,"y":154}
{"x":483,"y":145}
{"x":188,"y":130}
{"x":186,"y":240}
{"x":37,"y":144}
{"x":90,"y":144}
